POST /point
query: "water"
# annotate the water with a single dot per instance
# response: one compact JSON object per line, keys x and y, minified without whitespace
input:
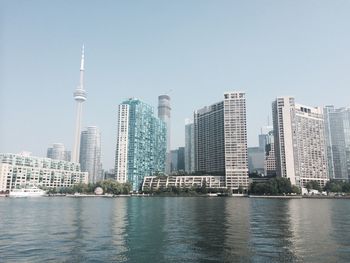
{"x":174,"y":230}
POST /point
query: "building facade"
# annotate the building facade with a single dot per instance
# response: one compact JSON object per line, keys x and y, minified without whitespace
{"x":90,"y":153}
{"x":189,"y":147}
{"x":17,"y":171}
{"x":337,"y":123}
{"x":221,"y":140}
{"x":164,"y":113}
{"x":141,"y":143}
{"x":300,"y":146}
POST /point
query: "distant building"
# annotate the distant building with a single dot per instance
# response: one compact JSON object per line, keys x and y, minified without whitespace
{"x":299,"y":137}
{"x":110,"y":174}
{"x":173,"y":160}
{"x":337,"y":122}
{"x":256,"y":160}
{"x":270,"y":159}
{"x":189,"y":147}
{"x":178,"y":160}
{"x":58,"y":152}
{"x":17,"y":171}
{"x":90,"y":153}
{"x":181,"y":159}
{"x":263,"y":136}
{"x":141,"y":143}
{"x":164,"y":113}
{"x":221,"y":140}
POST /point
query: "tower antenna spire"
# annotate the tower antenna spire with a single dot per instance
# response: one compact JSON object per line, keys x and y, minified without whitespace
{"x":79,"y":97}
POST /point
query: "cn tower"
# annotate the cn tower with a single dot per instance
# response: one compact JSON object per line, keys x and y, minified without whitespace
{"x":79,"y":97}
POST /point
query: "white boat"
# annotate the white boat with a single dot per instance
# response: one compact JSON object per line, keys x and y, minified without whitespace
{"x":31,"y":191}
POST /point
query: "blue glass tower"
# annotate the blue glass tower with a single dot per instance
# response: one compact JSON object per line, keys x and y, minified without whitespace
{"x":141,"y":144}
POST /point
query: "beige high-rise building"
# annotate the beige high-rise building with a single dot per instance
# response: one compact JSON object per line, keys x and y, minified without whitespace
{"x":300,"y":146}
{"x":221,"y":140}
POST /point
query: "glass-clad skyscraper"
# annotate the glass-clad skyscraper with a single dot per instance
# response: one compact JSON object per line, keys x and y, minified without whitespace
{"x":337,"y":122}
{"x":141,"y":143}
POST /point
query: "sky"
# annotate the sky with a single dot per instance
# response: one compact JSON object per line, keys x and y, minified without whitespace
{"x":196,"y":49}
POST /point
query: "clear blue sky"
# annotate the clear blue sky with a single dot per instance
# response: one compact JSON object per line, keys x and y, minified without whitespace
{"x":199,"y":49}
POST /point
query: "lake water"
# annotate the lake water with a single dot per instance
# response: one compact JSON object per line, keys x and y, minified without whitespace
{"x":174,"y":229}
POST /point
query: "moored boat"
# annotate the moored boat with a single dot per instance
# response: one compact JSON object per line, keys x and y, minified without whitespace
{"x":31,"y":191}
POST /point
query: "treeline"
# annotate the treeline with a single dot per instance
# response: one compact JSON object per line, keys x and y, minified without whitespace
{"x":280,"y":186}
{"x":337,"y":186}
{"x":274,"y":186}
{"x":108,"y":186}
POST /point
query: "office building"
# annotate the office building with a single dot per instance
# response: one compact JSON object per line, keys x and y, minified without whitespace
{"x":221,"y":140}
{"x":189,"y":147}
{"x":90,"y":153}
{"x":164,"y":113}
{"x":141,"y":143}
{"x":299,"y":137}
{"x":20,"y":170}
{"x":337,"y":123}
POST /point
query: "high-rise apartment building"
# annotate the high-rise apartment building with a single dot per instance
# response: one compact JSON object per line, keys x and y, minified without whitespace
{"x":141,"y":143}
{"x":58,"y":152}
{"x":164,"y":113}
{"x":189,"y":147}
{"x":19,"y":170}
{"x":221,"y":140}
{"x":90,"y":153}
{"x":299,"y":137}
{"x":337,"y":122}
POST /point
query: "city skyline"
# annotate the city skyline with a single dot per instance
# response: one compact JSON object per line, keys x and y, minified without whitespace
{"x":216,"y":51}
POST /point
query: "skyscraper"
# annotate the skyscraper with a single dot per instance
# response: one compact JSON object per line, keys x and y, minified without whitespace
{"x":299,"y":137}
{"x":164,"y":113}
{"x":337,"y":122}
{"x":141,"y":143}
{"x":221,"y":140}
{"x":79,"y":97}
{"x":189,"y":147}
{"x":90,"y":153}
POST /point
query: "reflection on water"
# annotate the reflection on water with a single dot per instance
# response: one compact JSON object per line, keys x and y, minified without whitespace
{"x":174,"y":230}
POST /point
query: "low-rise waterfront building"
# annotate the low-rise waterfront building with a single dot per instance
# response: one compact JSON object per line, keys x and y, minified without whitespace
{"x":18,"y":170}
{"x":188,"y":181}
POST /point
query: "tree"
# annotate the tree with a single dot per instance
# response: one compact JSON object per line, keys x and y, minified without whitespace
{"x":313,"y":185}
